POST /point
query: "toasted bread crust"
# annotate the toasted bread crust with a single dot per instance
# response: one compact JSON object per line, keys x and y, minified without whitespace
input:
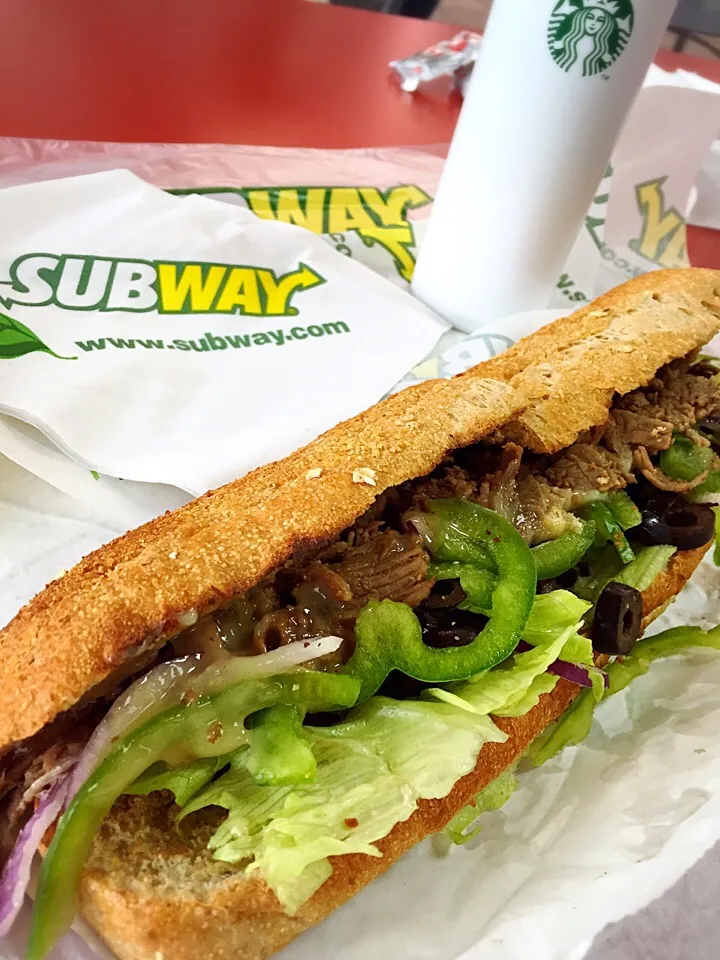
{"x":227,"y":917}
{"x":126,"y":597}
{"x":570,"y":369}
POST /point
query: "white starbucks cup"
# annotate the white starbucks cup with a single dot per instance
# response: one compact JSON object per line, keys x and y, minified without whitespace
{"x":543,"y":109}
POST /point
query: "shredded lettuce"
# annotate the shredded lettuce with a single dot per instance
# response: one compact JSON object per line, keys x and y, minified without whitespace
{"x":648,"y":564}
{"x":493,"y":797}
{"x":553,"y":612}
{"x":716,"y":551}
{"x":373,"y":768}
{"x":707,"y":487}
{"x":570,"y":729}
{"x":575,"y":723}
{"x":371,"y":772}
{"x":521,"y":705}
{"x":597,"y":678}
{"x":514,"y":687}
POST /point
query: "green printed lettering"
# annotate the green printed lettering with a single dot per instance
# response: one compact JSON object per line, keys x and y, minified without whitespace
{"x":33,"y":278}
{"x":132,"y":286}
{"x":238,"y":341}
{"x":216,"y":343}
{"x":82,"y":283}
{"x":339,"y":326}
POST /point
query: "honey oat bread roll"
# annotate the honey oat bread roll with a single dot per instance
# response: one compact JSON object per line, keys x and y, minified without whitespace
{"x":254,"y":705}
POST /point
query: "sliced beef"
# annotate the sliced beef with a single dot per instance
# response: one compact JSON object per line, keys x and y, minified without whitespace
{"x":446,"y":482}
{"x":391,"y":566}
{"x":74,"y":725}
{"x":542,"y":509}
{"x":583,"y":468}
{"x":498,"y":491}
{"x":388,"y":566}
{"x":659,"y":479}
{"x":676,"y":397}
{"x":627,"y":428}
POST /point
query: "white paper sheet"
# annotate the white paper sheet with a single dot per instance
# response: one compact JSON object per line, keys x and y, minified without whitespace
{"x":166,"y":340}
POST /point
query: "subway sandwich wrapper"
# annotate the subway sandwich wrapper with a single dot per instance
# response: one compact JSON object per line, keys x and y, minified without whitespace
{"x":179,"y":341}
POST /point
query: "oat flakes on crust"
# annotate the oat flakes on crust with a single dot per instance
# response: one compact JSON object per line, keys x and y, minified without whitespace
{"x":571,"y":369}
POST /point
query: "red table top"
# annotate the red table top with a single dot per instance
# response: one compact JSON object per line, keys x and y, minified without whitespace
{"x":281,"y":72}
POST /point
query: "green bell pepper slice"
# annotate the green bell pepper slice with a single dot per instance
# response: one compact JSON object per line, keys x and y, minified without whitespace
{"x":477,"y":582}
{"x":388,"y":635}
{"x":558,"y":556}
{"x":624,"y":510}
{"x":551,"y":559}
{"x":279,"y":756}
{"x":210,"y":727}
{"x":711,"y":485}
{"x":608,"y":530}
{"x":684,"y":460}
{"x":448,"y":536}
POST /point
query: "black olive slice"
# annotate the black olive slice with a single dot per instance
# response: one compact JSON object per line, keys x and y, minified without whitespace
{"x":683,"y":525}
{"x":618,"y":619}
{"x":450,"y":628}
{"x":445,"y":593}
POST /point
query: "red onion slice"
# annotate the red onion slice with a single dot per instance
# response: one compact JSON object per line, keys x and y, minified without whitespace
{"x":16,"y":875}
{"x":573,"y":672}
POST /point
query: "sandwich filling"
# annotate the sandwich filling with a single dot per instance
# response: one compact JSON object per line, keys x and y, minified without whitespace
{"x":316,"y":711}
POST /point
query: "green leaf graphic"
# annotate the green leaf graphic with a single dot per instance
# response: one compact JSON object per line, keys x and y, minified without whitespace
{"x":16,"y":340}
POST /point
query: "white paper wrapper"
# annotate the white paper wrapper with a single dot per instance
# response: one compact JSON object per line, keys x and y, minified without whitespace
{"x":182,"y":341}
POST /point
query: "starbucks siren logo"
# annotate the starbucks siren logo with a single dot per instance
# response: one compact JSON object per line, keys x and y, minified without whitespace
{"x":588,"y":36}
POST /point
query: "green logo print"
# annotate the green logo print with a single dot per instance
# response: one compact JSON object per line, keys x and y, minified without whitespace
{"x":588,"y":36}
{"x":16,"y":340}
